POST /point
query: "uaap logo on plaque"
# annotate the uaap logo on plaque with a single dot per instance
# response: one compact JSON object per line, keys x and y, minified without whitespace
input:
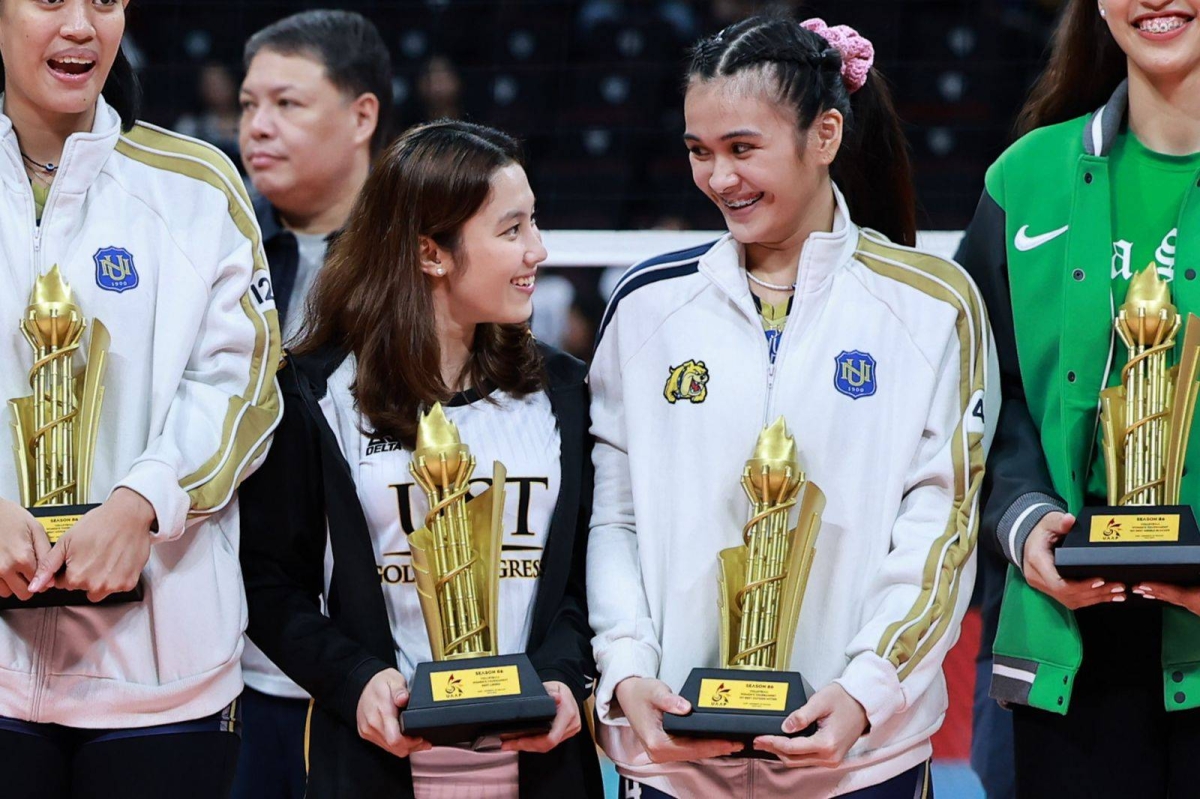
{"x":115,"y":270}
{"x":854,"y":374}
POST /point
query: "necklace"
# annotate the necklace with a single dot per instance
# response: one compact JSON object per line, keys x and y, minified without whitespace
{"x":49,"y":167}
{"x":772,"y":286}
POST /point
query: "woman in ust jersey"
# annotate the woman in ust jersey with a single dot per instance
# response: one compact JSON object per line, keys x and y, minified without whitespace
{"x":425,"y":299}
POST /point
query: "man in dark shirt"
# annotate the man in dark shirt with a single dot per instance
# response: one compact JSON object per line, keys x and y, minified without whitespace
{"x":314,"y":103}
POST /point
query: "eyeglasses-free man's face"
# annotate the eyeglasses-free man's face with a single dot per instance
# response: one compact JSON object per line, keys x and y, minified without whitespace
{"x":300,"y":134}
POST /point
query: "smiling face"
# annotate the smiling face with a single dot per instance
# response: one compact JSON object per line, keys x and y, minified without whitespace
{"x":299,"y":133}
{"x":1161,"y":39}
{"x":57,"y":55}
{"x":490,"y":275}
{"x":749,"y":158}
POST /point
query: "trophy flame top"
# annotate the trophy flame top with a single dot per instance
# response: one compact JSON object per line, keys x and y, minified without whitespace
{"x":773,"y":468}
{"x":52,"y":320}
{"x":440,"y":449}
{"x":1147,"y":309}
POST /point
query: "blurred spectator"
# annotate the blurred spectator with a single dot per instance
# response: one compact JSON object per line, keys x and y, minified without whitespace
{"x":671,"y":222}
{"x":551,"y":308}
{"x":216,"y":121}
{"x":439,"y":90}
{"x":727,"y":12}
{"x":676,"y":14}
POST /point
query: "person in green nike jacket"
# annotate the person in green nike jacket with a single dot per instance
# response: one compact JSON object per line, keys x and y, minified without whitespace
{"x":1105,"y":181}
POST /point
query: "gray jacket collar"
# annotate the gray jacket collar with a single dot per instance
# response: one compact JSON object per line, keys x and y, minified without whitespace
{"x":1105,"y":123}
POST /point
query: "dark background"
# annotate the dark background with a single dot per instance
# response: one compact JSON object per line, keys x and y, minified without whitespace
{"x":593,"y":86}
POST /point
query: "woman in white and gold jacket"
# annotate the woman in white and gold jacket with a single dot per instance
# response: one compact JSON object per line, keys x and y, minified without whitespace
{"x":156,"y":238}
{"x":875,"y":354}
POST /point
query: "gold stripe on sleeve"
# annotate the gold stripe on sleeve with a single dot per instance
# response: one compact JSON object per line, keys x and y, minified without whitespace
{"x":253,"y":414}
{"x":907,"y":641}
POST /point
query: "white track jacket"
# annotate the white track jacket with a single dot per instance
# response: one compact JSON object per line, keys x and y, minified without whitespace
{"x":156,"y":237}
{"x":880,"y":375}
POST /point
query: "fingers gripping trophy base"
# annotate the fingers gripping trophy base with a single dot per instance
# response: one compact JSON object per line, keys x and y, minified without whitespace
{"x":1133,"y":544}
{"x":57,"y":519}
{"x":464,"y":701}
{"x":740,"y":705}
{"x":55,"y":428}
{"x":1144,"y":533}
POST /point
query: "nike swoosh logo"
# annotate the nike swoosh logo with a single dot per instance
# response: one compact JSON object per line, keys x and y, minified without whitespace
{"x":1024,"y":242}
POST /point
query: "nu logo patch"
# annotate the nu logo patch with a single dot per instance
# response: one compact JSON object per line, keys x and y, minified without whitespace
{"x":688,"y":381}
{"x":854,"y":374}
{"x":115,"y":270}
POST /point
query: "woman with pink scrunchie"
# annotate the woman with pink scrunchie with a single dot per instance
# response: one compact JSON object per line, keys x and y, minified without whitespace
{"x":793,"y":136}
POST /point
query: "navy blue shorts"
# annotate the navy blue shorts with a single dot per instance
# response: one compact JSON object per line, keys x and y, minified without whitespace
{"x":271,"y":764}
{"x":189,"y":760}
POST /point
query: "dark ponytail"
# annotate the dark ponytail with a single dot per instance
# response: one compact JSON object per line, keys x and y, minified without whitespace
{"x":872,"y":167}
{"x":1084,"y":69}
{"x":122,"y":89}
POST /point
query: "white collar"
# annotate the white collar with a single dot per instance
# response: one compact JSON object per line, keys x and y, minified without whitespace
{"x":823,"y":254}
{"x":83,"y":155}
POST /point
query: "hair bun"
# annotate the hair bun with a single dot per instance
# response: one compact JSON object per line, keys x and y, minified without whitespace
{"x":857,"y":53}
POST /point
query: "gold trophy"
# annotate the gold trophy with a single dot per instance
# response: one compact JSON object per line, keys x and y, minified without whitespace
{"x":762,"y":584}
{"x":1144,"y":533}
{"x":55,"y":428}
{"x":469,"y":691}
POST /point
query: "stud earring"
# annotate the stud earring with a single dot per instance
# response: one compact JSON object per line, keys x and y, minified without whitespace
{"x":1103,"y":12}
{"x":441,"y":271}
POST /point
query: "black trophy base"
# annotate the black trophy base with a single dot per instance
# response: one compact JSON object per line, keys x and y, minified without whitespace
{"x":1159,"y":543}
{"x":57,"y":519}
{"x":467,"y":701}
{"x":739,"y":705}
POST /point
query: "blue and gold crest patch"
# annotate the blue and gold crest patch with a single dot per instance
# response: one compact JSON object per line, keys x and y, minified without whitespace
{"x":115,"y":270}
{"x":854,"y":374}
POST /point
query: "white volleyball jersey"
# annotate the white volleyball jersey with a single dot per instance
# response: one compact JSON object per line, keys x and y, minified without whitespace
{"x":520,"y":433}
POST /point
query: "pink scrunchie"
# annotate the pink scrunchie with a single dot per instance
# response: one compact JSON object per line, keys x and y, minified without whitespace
{"x":858,"y":54}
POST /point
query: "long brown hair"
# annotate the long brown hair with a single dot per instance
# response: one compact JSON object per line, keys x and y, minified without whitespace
{"x":872,"y":167}
{"x":1085,"y":67}
{"x":373,"y":300}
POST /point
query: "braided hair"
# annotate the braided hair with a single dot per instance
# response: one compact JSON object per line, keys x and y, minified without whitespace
{"x":803,"y":72}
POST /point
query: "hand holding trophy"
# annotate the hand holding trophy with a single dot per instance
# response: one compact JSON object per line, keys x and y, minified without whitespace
{"x":1144,"y":533}
{"x":55,"y":428}
{"x":468,"y":691}
{"x":762,"y":586}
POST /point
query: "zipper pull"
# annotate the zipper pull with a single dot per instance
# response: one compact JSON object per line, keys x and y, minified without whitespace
{"x":770,"y":375}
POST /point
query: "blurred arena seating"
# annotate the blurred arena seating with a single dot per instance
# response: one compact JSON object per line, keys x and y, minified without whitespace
{"x":593,"y":86}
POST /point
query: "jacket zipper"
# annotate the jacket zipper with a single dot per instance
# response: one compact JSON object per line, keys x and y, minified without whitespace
{"x":51,"y":196}
{"x":784,"y":339}
{"x":40,"y":670}
{"x":49,"y":625}
{"x":35,"y":242}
